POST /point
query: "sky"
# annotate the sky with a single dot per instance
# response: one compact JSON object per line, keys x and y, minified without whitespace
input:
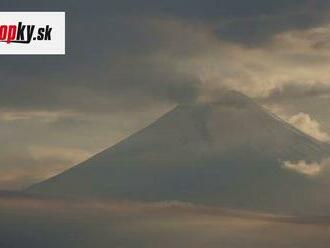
{"x":130,"y":61}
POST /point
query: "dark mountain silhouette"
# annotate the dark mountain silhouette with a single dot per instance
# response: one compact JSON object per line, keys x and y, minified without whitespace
{"x":226,"y":153}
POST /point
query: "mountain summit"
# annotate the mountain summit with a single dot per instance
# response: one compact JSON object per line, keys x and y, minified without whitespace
{"x":228,"y":153}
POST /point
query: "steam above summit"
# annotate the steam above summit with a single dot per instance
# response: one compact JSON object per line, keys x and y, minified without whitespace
{"x":227,"y":152}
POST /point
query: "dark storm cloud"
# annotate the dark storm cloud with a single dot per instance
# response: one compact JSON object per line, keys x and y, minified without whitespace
{"x":243,"y":19}
{"x":99,"y":68}
{"x":204,"y":9}
{"x":255,"y":18}
{"x":259,"y":29}
{"x":126,"y":87}
{"x":110,"y":48}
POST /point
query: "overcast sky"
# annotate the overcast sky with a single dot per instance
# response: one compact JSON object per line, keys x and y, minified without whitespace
{"x":129,"y":61}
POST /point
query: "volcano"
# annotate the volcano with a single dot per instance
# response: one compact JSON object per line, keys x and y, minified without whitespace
{"x":227,"y":153}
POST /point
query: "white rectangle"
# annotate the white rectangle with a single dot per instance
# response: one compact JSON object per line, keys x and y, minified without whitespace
{"x":35,"y":33}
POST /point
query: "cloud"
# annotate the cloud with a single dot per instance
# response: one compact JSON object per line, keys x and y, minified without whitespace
{"x":259,"y":29}
{"x":312,"y":169}
{"x":171,"y":61}
{"x":293,"y":91}
{"x":58,"y":153}
{"x":44,"y":116}
{"x":33,"y":164}
{"x":168,"y":37}
{"x":40,"y":144}
{"x":119,"y":75}
{"x":290,"y":65}
{"x":309,"y":126}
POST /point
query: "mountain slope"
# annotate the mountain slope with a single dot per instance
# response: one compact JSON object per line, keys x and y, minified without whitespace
{"x":225,"y":153}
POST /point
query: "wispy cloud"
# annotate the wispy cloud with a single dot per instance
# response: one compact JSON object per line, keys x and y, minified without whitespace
{"x":44,"y":116}
{"x":312,"y":169}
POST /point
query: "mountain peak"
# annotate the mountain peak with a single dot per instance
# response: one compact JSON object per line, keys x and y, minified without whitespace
{"x":206,"y":153}
{"x":226,"y":97}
